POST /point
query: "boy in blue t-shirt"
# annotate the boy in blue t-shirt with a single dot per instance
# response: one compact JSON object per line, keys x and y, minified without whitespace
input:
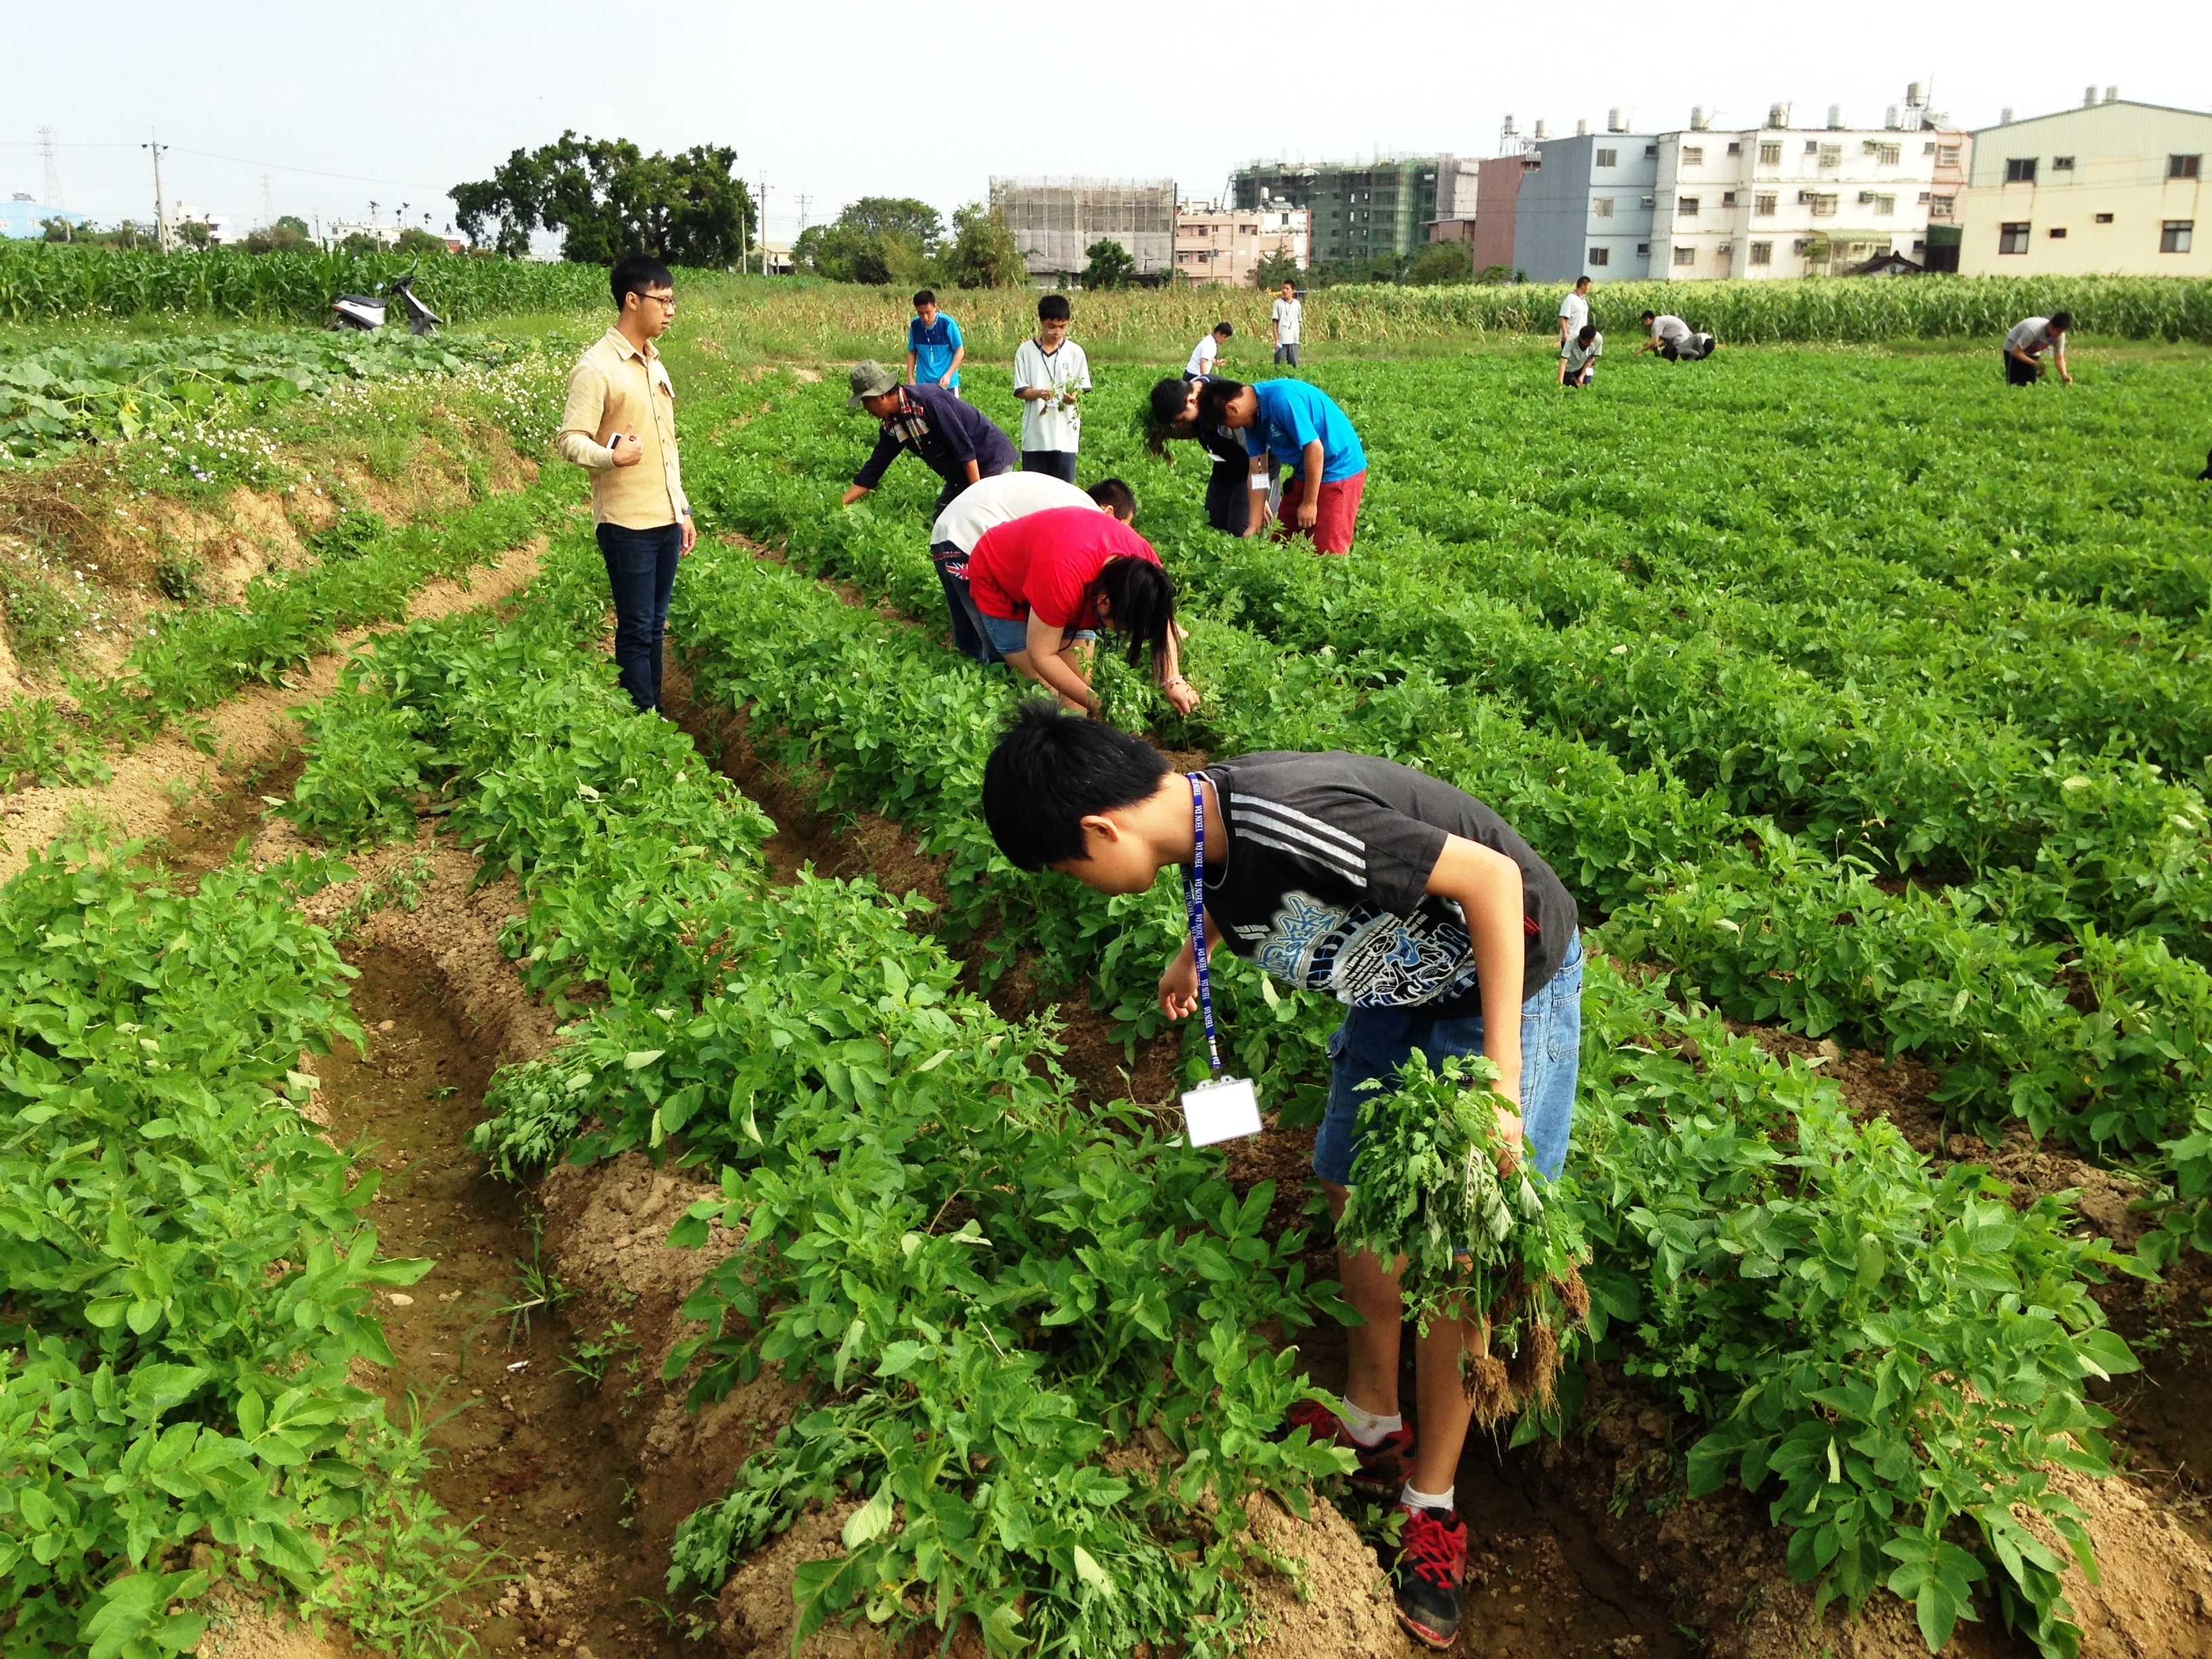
{"x":1300,"y":426}
{"x":934,"y":348}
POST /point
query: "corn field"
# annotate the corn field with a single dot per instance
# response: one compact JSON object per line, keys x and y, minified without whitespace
{"x":812,"y":319}
{"x":40,"y":280}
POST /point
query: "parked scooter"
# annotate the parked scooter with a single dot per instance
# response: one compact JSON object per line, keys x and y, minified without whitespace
{"x":366,"y":311}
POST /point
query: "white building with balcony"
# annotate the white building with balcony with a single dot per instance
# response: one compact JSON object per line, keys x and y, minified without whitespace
{"x":1779,"y":200}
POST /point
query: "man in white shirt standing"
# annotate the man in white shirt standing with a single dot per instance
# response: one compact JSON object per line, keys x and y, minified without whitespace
{"x":1287,"y":313}
{"x":1049,"y":372}
{"x":1574,"y":311}
{"x":1207,"y":352}
{"x":2026,"y":343}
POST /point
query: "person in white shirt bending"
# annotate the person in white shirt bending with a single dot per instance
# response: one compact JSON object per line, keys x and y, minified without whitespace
{"x":1674,"y":340}
{"x":1578,"y":357}
{"x":2029,"y":339}
{"x":1207,"y":352}
{"x":1287,"y":313}
{"x":1050,"y":372}
{"x":1574,"y":311}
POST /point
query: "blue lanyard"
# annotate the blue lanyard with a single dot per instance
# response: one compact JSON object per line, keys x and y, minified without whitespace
{"x":1196,"y":891}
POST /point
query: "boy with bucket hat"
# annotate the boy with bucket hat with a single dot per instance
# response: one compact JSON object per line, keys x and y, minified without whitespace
{"x":955,"y":441}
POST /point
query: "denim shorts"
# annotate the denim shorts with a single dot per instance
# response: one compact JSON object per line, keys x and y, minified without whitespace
{"x":1011,"y":634}
{"x":1373,"y":1042}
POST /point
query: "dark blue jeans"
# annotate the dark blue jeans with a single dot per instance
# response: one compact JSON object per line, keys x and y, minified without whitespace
{"x":641,"y":571}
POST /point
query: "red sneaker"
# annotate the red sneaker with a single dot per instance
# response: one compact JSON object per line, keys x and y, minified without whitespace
{"x":1383,"y":1467}
{"x":1431,"y":1567}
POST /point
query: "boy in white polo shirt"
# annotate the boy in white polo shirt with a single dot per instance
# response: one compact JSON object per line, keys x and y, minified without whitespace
{"x":1288,"y":315}
{"x":1050,"y":371}
{"x":1574,"y":311}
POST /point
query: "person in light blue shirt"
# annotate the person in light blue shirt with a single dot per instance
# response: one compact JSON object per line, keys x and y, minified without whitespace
{"x":934,"y":349}
{"x":1299,"y":425}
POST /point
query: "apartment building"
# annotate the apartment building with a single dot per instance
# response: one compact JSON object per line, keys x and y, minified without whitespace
{"x":1357,"y":211}
{"x":1784,"y":201}
{"x":1215,"y":243}
{"x":2113,"y":187}
{"x":1584,"y":207}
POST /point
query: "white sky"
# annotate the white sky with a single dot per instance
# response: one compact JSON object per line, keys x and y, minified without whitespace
{"x":842,"y":99}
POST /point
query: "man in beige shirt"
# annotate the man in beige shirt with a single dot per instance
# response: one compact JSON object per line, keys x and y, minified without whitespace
{"x":620,"y":426}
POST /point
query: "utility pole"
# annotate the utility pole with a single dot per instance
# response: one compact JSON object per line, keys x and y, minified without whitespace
{"x":161,"y":203}
{"x":54,"y":169}
{"x":763,"y":226}
{"x":268,"y":203}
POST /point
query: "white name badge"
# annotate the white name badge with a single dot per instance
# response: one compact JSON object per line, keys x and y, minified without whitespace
{"x":1221,"y":1110}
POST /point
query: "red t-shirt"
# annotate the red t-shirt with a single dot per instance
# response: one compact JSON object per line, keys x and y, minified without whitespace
{"x":1044,"y":562}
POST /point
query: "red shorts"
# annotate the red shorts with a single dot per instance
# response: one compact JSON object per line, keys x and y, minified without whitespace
{"x":1334,"y":517}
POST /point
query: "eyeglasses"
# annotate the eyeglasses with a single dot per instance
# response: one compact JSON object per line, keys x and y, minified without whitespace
{"x":667,"y":301}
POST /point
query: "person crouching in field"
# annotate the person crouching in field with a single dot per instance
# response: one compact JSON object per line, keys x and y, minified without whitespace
{"x":1046,"y":584}
{"x":1299,"y":425}
{"x":1578,"y":357}
{"x":1174,"y":414}
{"x":956,"y":441}
{"x":2028,"y":340}
{"x":986,"y":505}
{"x":1440,"y":929}
{"x":1206,"y":356}
{"x":620,"y":426}
{"x":1675,"y":340}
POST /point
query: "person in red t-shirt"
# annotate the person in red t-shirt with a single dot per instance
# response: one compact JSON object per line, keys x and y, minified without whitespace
{"x":1044,"y":584}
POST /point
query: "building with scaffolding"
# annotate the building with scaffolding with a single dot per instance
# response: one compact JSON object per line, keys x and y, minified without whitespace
{"x":1381,"y":208}
{"x":1056,"y":220}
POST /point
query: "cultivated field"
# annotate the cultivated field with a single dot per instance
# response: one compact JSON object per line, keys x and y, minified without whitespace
{"x":837,"y":1257}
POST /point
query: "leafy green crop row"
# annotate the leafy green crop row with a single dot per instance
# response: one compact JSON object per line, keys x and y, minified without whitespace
{"x":1829,"y":1355}
{"x":54,"y":400}
{"x":1768,"y":922}
{"x":984,"y":1286}
{"x":1862,"y":755}
{"x":190,"y":1271}
{"x":42,"y":280}
{"x":367,"y":572}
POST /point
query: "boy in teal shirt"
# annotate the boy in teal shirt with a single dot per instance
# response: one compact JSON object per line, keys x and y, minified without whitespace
{"x":934,"y":349}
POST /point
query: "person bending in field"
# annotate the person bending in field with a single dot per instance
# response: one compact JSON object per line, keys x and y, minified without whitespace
{"x":1206,"y":356}
{"x":1435,"y":925}
{"x":1045,"y":585}
{"x":958,"y":443}
{"x":620,"y":426}
{"x":1050,"y":373}
{"x":1174,"y":414}
{"x":934,"y":349}
{"x":1578,"y":358}
{"x":984,"y":505}
{"x":1675,"y":340}
{"x":2026,"y":342}
{"x":1300,"y":426}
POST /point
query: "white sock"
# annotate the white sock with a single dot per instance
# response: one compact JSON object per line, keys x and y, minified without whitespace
{"x":1428,"y":1500}
{"x":1369,"y":1428}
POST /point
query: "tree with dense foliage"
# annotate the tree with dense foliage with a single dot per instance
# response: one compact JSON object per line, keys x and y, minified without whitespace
{"x":984,"y":253}
{"x":1275,"y":268}
{"x":415,"y":240}
{"x":1443,"y":262}
{"x":1110,"y":266}
{"x":878,"y":238}
{"x":282,"y":237}
{"x":609,"y":198}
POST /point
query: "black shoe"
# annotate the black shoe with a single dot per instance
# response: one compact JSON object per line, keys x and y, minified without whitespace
{"x":1431,"y":1567}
